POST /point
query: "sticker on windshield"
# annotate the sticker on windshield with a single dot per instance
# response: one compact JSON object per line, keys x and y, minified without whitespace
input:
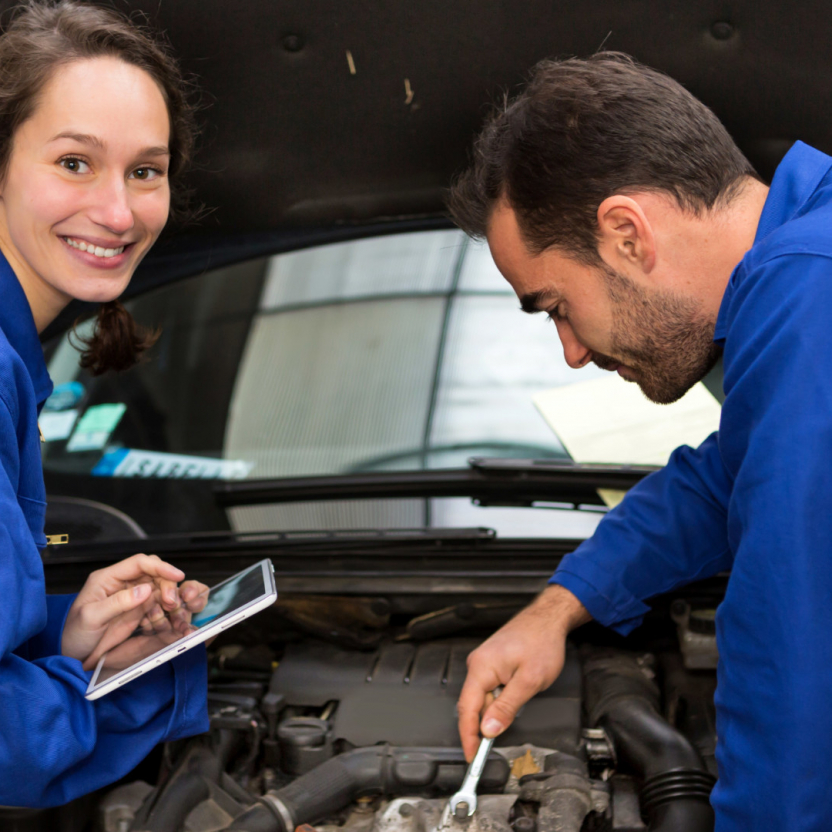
{"x":95,"y":427}
{"x":65,"y":396}
{"x":56,"y":426}
{"x":125,"y":462}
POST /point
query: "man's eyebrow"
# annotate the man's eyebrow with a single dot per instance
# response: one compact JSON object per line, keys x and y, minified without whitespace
{"x":533,"y":302}
{"x":86,"y":138}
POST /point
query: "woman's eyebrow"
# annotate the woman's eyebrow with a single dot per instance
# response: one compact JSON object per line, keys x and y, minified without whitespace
{"x":86,"y":138}
{"x":82,"y":138}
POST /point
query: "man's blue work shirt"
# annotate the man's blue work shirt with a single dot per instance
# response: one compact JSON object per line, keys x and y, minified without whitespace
{"x":54,"y":744}
{"x":755,"y":498}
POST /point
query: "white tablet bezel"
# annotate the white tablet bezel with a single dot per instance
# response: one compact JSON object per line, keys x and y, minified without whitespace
{"x":187,"y":642}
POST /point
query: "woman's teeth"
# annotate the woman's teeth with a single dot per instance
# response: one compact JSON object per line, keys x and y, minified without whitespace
{"x":96,"y":250}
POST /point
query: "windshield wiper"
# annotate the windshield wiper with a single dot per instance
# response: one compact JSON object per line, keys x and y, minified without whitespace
{"x":489,"y":481}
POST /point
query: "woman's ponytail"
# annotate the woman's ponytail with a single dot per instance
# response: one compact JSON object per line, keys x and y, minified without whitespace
{"x":117,"y":341}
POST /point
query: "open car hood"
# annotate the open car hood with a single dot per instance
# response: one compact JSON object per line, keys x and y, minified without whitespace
{"x":326,"y":113}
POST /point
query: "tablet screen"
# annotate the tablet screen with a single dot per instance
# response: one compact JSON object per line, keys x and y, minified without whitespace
{"x":220,"y":602}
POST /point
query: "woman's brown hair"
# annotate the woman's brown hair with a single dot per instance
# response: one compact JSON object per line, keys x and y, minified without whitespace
{"x":41,"y":38}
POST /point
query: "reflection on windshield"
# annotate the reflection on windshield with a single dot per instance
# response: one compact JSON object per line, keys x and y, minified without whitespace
{"x":402,"y":352}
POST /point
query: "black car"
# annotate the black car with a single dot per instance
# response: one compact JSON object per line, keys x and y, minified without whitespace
{"x":343,"y":384}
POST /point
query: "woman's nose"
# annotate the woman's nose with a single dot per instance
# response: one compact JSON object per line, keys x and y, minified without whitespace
{"x":111,"y":207}
{"x":575,"y":353}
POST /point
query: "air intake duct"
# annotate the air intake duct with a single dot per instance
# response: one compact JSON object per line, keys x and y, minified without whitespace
{"x":676,"y":784}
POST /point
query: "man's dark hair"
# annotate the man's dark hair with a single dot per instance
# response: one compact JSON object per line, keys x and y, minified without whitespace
{"x":583,"y":130}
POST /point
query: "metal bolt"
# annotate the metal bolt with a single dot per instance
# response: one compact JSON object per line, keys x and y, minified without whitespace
{"x":722,"y":30}
{"x":293,"y":43}
{"x":405,"y":810}
{"x":461,"y":812}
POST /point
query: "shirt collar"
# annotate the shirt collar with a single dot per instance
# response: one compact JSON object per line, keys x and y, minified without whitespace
{"x":18,"y":324}
{"x":796,"y":179}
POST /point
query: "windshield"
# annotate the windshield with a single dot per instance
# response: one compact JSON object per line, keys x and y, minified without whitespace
{"x":402,"y":352}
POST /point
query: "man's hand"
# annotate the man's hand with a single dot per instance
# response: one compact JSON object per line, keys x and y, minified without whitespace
{"x":525,"y":656}
{"x":114,"y":601}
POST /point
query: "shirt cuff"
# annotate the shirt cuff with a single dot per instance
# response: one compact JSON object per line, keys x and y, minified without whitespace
{"x":615,"y":608}
{"x":190,"y":682}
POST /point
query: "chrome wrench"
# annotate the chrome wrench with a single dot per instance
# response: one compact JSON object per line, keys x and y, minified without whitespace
{"x":464,"y":803}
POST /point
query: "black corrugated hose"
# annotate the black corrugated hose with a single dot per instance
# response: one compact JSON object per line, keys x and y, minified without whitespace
{"x":676,"y":784}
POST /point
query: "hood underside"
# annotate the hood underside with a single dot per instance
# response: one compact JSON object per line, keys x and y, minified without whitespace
{"x":324,"y":112}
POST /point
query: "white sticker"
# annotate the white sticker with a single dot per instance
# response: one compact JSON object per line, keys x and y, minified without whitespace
{"x":57,"y":425}
{"x":153,"y":465}
{"x":95,"y":427}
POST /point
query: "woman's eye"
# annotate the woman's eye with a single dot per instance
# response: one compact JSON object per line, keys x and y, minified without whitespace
{"x":146,"y":174}
{"x":74,"y":165}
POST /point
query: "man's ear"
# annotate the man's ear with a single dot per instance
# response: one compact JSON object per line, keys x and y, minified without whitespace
{"x":626,"y":240}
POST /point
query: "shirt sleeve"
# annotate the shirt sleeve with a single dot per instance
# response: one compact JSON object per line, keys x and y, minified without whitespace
{"x":669,"y":529}
{"x":774,"y":627}
{"x":56,"y":745}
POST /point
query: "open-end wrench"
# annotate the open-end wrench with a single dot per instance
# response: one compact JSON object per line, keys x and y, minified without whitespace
{"x":464,"y":803}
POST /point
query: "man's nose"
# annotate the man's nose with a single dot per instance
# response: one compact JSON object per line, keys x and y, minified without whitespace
{"x":575,"y":353}
{"x":111,"y":206}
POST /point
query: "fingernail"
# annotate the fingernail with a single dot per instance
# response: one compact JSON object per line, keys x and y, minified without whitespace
{"x":170,"y":594}
{"x":491,"y":727}
{"x":141,"y":591}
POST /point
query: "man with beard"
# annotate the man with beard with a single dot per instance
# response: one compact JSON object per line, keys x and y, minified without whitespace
{"x":616,"y":203}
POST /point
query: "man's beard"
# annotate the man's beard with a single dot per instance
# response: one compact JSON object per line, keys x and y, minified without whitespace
{"x":662,"y":337}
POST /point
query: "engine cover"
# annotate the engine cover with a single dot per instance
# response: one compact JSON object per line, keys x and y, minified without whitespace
{"x":405,"y":694}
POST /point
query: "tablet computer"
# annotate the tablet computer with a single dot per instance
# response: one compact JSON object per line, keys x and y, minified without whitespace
{"x":227,"y":604}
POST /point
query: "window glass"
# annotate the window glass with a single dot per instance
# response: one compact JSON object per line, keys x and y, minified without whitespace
{"x":402,"y":352}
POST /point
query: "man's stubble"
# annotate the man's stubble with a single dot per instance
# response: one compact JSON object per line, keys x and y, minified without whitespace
{"x":663,"y":338}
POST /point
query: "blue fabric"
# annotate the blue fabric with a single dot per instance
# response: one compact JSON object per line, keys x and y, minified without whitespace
{"x":756,"y":498}
{"x":54,"y":744}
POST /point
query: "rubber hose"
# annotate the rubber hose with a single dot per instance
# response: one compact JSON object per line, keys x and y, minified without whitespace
{"x":676,"y":782}
{"x":188,"y":785}
{"x":379,"y":769}
{"x":176,"y":802}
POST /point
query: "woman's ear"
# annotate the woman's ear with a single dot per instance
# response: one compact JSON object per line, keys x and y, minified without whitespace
{"x":626,"y":239}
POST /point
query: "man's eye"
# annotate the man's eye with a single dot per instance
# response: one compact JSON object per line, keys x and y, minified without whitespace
{"x":74,"y":165}
{"x":146,"y":174}
{"x":558,"y":313}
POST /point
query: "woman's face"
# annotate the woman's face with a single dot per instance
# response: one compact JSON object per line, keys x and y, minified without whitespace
{"x":86,"y":192}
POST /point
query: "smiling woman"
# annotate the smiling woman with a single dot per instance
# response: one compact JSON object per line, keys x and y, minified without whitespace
{"x":94,"y":132}
{"x":104,"y":167}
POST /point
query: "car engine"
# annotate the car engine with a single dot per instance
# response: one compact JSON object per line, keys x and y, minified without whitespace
{"x":354,"y":730}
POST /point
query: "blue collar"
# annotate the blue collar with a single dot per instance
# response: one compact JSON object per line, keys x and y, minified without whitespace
{"x":18,"y":325}
{"x":797,"y":177}
{"x":795,"y":181}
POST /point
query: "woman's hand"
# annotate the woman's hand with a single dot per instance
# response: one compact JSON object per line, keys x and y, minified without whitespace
{"x":114,"y":601}
{"x":140,"y":632}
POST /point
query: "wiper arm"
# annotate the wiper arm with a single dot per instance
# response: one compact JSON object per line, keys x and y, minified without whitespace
{"x":490,"y":481}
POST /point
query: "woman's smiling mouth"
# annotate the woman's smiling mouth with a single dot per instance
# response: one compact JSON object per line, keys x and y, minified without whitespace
{"x":101,"y":252}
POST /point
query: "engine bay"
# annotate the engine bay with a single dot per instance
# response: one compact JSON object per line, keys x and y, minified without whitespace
{"x":346,"y":723}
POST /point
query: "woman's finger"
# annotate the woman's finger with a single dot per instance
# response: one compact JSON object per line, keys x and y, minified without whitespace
{"x":96,"y":615}
{"x":169,"y":593}
{"x":194,"y":595}
{"x":138,"y":567}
